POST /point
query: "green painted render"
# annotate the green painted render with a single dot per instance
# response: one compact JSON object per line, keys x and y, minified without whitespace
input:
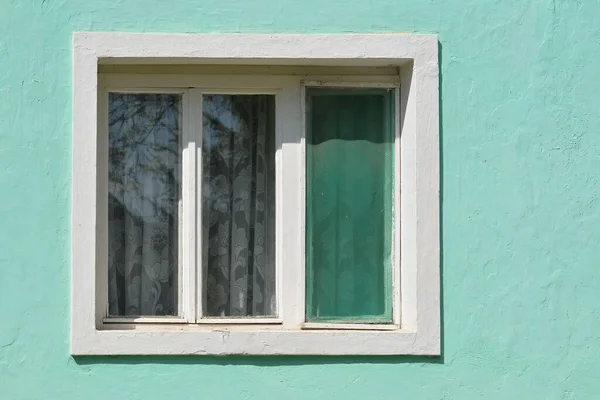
{"x":520,"y":146}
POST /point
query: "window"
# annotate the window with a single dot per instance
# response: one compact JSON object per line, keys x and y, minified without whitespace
{"x":154,"y":208}
{"x":252,"y":194}
{"x":350,"y":136}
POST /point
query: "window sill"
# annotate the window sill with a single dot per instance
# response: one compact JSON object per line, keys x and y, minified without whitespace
{"x":212,"y":340}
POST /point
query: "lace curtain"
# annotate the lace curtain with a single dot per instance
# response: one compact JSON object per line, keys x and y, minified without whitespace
{"x":238,"y":196}
{"x":144,"y":192}
{"x":238,"y":203}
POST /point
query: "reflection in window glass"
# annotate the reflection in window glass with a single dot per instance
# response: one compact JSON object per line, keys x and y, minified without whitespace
{"x":238,"y":202}
{"x":143,"y":203}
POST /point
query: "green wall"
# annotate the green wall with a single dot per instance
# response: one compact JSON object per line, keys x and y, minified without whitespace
{"x":520,"y":143}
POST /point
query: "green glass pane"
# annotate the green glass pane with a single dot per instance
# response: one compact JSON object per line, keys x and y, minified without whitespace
{"x":349,"y":216}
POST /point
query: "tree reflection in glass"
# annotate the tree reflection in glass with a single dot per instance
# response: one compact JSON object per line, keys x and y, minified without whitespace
{"x":238,"y":197}
{"x":143,"y":203}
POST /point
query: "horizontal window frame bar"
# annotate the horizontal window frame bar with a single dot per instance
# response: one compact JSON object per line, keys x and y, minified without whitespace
{"x":203,"y":321}
{"x":349,"y":84}
{"x":242,"y":81}
{"x":192,"y":327}
{"x":145,"y":320}
{"x":224,"y":69}
{"x":241,"y":320}
{"x":241,"y":91}
{"x":144,"y":90}
{"x":355,"y":327}
{"x":358,"y":319}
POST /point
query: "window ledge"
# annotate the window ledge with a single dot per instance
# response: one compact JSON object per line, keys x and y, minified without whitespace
{"x":220,"y":341}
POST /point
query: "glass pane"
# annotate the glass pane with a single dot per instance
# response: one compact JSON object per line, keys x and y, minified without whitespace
{"x":143,"y":203}
{"x":238,"y":203}
{"x":350,"y":180}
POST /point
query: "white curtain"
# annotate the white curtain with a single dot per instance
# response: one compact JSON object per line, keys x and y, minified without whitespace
{"x":238,"y":197}
{"x":144,"y":192}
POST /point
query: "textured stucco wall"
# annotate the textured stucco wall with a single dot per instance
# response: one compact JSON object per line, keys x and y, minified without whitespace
{"x":521,"y":228}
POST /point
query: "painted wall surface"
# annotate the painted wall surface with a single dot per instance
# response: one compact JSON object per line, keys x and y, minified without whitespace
{"x":520,"y":143}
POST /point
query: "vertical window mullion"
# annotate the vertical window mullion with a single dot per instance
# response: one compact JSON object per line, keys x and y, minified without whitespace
{"x":397,"y":226}
{"x":302,"y":295}
{"x":279,"y":201}
{"x":283,"y":299}
{"x":194,"y":201}
{"x":290,"y":206}
{"x":102,"y":204}
{"x":187,"y":294}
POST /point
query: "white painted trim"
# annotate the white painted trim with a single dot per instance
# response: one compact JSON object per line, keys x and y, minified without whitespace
{"x":414,"y":55}
{"x":300,"y":177}
{"x":196,"y":128}
{"x":144,"y":320}
{"x":102,"y":206}
{"x":188,"y":259}
{"x":408,"y":204}
{"x":109,"y":87}
{"x":259,"y":70}
{"x":176,"y":83}
{"x":241,"y":320}
{"x":221,"y":341}
{"x":397,"y":237}
{"x":392,"y":84}
{"x":367,"y":50}
{"x":361,"y":327}
{"x":279,"y":199}
{"x":290,"y":238}
{"x":85,"y":314}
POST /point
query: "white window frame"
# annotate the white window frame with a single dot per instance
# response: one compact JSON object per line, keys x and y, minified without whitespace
{"x":416,"y":328}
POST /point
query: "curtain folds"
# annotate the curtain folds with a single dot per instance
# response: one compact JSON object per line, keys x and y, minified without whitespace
{"x":238,"y":197}
{"x":349,"y":205}
{"x":237,"y":189}
{"x":143,"y":203}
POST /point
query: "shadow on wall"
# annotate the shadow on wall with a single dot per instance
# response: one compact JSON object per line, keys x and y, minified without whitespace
{"x":262,"y":361}
{"x":268,"y":361}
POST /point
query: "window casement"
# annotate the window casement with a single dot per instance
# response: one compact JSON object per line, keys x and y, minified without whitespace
{"x":255,"y":194}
